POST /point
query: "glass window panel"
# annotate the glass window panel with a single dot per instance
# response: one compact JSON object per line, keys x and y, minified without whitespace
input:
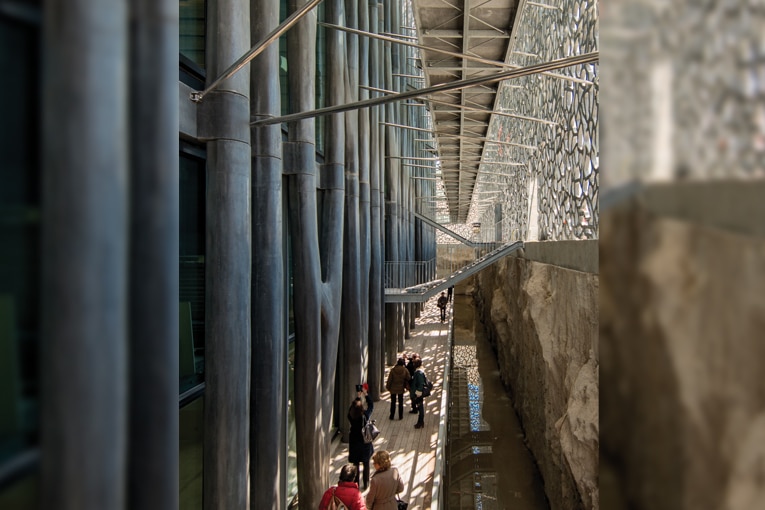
{"x":192,"y":270}
{"x":19,"y":232}
{"x":192,"y":30}
{"x":191,"y":436}
{"x":292,"y":482}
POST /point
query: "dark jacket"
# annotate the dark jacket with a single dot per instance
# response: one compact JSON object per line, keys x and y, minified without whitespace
{"x":348,"y":493}
{"x":418,"y":381}
{"x":358,"y":450}
{"x":398,"y":380}
{"x":410,"y":367}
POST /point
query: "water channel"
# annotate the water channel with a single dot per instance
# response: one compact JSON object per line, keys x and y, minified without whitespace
{"x":488,"y":465}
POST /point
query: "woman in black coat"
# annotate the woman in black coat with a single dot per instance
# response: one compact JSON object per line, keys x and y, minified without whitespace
{"x":359,"y":452}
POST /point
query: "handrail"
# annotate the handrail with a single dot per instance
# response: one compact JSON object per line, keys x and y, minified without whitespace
{"x":423,"y":292}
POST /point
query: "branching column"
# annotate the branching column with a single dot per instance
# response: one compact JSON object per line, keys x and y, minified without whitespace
{"x":317,"y":246}
{"x":352,"y":332}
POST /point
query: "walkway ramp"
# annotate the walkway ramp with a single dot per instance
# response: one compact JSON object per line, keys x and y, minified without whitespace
{"x":417,"y":453}
{"x":453,"y":234}
{"x":423,"y":292}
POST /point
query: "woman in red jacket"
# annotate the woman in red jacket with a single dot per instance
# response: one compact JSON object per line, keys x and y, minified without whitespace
{"x":346,"y":491}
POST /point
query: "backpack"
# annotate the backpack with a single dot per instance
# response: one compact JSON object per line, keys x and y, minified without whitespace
{"x":335,"y":503}
{"x":427,"y":387}
{"x":369,"y":431}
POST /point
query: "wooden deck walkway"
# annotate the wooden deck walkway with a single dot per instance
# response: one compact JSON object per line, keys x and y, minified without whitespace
{"x":417,"y":453}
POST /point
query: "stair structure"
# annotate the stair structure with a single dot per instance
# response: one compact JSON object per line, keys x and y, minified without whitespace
{"x":423,"y":292}
{"x":453,"y":234}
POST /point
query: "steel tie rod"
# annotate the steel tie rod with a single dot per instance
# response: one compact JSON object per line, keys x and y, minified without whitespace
{"x":585,"y":58}
{"x":256,"y":50}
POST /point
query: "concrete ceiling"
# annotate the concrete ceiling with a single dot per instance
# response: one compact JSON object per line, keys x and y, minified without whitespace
{"x":461,"y":118}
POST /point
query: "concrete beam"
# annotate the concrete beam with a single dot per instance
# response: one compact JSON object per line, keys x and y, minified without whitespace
{"x":576,"y":255}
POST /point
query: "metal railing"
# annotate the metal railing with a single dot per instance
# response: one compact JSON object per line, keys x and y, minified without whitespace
{"x":399,"y":275}
{"x":421,"y":292}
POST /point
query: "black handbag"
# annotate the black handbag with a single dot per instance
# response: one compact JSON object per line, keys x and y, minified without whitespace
{"x":402,"y":505}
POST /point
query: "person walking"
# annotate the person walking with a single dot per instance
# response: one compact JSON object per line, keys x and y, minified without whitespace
{"x":386,"y":483}
{"x":418,"y":383}
{"x":410,"y":368}
{"x":441,"y":303}
{"x":359,"y":452}
{"x":449,"y":293}
{"x":346,"y":491}
{"x":397,"y":383}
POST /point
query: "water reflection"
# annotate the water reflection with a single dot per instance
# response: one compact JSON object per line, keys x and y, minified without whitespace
{"x":488,"y":464}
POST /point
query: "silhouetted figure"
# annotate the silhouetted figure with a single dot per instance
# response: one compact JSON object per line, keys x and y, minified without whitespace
{"x":418,"y":383}
{"x":441,"y":303}
{"x":410,"y":368}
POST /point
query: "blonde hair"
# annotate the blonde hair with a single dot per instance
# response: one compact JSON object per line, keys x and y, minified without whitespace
{"x":382,"y":459}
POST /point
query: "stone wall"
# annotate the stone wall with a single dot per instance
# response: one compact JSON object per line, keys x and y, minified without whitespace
{"x":682,"y":341}
{"x":542,"y":320}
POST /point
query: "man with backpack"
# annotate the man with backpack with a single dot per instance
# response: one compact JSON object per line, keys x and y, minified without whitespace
{"x":421,"y":388}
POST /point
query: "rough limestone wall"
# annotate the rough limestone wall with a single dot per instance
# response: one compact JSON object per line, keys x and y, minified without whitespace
{"x":543,"y":323}
{"x":682,"y":343}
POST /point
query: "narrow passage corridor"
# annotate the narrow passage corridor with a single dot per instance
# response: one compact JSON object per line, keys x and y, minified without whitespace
{"x":488,"y":465}
{"x":413,"y":451}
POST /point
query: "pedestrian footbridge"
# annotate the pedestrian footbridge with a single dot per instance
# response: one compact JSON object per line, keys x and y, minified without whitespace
{"x":422,"y":292}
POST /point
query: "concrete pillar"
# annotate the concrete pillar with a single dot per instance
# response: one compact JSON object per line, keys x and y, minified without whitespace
{"x":224,"y":123}
{"x":376,"y":290}
{"x":269,"y":345}
{"x":364,"y":190}
{"x":84,"y":255}
{"x":154,"y":248}
{"x":352,"y":332}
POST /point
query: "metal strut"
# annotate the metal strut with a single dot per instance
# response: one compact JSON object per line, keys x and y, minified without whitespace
{"x":586,"y":58}
{"x":256,"y":50}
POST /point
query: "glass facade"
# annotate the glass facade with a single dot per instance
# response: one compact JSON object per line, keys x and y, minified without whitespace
{"x":19,"y":228}
{"x":191,"y":266}
{"x":20,"y":257}
{"x":192,"y":30}
{"x":321,"y":75}
{"x":19,"y":253}
{"x":191,"y":446}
